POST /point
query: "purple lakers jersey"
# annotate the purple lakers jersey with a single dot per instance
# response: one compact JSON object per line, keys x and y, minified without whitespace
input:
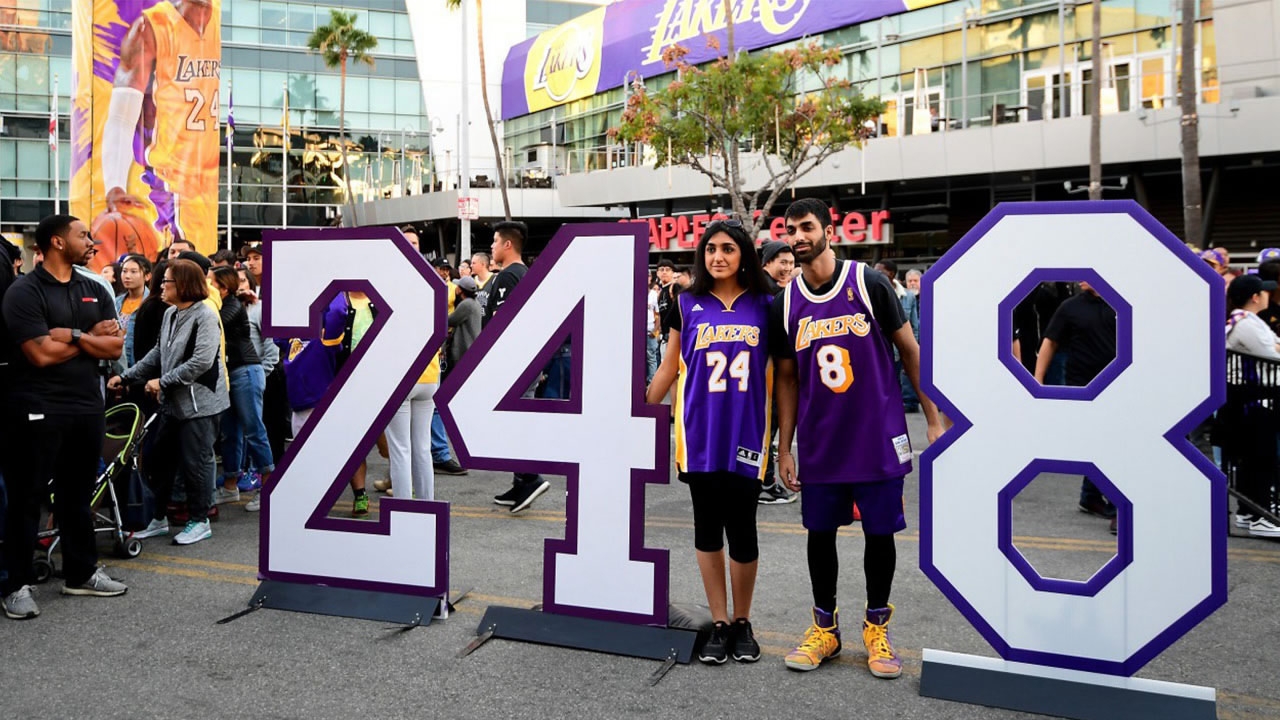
{"x":723,"y":391}
{"x":851,"y":425}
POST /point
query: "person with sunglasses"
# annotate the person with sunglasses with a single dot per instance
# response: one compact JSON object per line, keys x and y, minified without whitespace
{"x":718,"y":358}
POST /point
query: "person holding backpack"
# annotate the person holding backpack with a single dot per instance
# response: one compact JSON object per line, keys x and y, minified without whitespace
{"x":184,"y":373}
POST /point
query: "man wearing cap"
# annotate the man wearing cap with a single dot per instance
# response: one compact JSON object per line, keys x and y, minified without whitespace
{"x":63,"y":323}
{"x":1269,"y":270}
{"x":253,"y":261}
{"x":1085,"y":327}
{"x":778,"y":260}
{"x":1247,"y":333}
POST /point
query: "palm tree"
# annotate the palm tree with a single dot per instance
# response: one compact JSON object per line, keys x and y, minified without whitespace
{"x":484,"y":96}
{"x":341,"y":42}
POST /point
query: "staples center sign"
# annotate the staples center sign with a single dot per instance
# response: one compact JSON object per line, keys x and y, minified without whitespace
{"x":682,"y":232}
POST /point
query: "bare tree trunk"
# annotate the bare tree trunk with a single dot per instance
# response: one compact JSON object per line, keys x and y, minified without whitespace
{"x":1095,"y":107}
{"x":1192,"y":210}
{"x":728,"y":26}
{"x":498,"y":155}
{"x":342,"y":140}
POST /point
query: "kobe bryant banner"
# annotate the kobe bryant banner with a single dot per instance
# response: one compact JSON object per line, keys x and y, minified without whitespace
{"x":145,"y":123}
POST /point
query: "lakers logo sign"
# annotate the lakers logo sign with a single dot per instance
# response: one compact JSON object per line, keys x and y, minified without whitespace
{"x":568,"y":58}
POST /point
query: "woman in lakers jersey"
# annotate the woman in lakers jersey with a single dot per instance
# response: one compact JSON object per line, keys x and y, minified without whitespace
{"x":718,"y":358}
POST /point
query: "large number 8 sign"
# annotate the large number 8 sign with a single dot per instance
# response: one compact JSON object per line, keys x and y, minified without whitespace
{"x":1127,"y":430}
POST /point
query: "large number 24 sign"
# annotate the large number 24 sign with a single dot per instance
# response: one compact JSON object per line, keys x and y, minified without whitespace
{"x":588,"y":285}
{"x":1126,"y":430}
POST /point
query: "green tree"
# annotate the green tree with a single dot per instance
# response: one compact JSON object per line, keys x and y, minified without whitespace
{"x":484,"y":96}
{"x":751,"y":107}
{"x":340,"y":42}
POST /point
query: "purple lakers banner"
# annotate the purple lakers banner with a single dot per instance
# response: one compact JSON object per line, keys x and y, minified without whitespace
{"x":598,"y":51}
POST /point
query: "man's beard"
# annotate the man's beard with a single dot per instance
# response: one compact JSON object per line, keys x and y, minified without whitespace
{"x":815,"y":250}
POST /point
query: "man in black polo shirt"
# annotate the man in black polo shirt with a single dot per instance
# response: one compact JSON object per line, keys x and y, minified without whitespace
{"x":62,"y":323}
{"x":1085,"y":327}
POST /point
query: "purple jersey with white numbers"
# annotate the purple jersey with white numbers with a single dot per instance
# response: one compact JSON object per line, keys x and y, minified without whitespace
{"x":851,"y":426}
{"x":723,"y":392}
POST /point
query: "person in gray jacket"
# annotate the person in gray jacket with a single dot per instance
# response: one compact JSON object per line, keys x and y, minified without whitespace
{"x":464,"y":321}
{"x":184,"y":374}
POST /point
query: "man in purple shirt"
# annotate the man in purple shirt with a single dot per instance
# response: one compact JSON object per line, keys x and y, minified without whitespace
{"x":832,"y":334}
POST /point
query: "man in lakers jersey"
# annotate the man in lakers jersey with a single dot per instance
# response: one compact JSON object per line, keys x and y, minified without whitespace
{"x":177,"y":43}
{"x":832,"y":333}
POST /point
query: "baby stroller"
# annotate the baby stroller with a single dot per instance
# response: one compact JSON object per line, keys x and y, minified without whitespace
{"x":120,"y":449}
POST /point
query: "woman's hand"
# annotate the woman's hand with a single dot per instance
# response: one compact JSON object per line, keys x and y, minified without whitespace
{"x":787,"y":471}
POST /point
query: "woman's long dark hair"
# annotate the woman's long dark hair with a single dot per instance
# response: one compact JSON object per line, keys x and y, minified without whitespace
{"x":750,"y":274}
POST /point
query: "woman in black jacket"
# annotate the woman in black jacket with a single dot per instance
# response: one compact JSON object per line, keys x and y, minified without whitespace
{"x":242,"y":426}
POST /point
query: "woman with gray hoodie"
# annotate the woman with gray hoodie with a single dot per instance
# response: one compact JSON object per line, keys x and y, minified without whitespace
{"x":184,"y":374}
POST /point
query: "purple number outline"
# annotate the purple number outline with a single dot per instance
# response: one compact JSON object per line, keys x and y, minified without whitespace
{"x":658,"y":557}
{"x":1176,"y":437}
{"x":319,"y":519}
{"x":1124,"y":334}
{"x":1124,"y":528}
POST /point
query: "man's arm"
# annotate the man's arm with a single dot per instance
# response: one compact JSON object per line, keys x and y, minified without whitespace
{"x":909,"y":349}
{"x":1047,"y":349}
{"x":108,"y":345}
{"x":52,"y":349}
{"x":786,"y":396}
{"x":137,"y":62}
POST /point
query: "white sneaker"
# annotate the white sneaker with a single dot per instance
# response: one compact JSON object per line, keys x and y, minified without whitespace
{"x":255,"y":504}
{"x":99,"y":584}
{"x":1264,"y":528}
{"x":20,"y":605}
{"x":221,"y":496}
{"x":382,"y":486}
{"x":155,"y":529}
{"x":194,"y":533}
{"x":1244,"y":521}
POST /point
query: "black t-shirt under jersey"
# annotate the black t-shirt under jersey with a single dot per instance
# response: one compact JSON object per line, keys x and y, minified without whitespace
{"x":37,"y":303}
{"x":885,"y":306}
{"x":1085,"y":328}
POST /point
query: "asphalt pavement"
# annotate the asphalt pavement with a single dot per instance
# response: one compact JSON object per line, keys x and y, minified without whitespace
{"x":157,"y":651}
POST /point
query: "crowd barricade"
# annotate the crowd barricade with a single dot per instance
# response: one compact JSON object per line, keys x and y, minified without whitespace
{"x":1246,"y":429}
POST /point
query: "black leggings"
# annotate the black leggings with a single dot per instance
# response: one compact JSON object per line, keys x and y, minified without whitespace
{"x":724,"y":505}
{"x":879,"y":561}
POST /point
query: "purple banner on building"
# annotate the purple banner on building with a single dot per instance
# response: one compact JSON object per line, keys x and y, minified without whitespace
{"x":604,"y":48}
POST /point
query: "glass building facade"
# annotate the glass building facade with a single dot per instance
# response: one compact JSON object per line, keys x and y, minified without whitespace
{"x":970,"y":62}
{"x":264,"y":52}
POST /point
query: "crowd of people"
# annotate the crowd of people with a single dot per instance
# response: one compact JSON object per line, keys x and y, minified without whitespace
{"x":763,"y":350}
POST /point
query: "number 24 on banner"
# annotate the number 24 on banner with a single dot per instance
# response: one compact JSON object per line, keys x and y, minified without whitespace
{"x":603,"y":438}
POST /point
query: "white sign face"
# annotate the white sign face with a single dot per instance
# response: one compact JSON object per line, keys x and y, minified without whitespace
{"x":605,"y":439}
{"x":1126,"y":430}
{"x":406,"y":549}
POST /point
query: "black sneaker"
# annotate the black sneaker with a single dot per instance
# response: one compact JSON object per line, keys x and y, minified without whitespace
{"x":507,"y":498}
{"x":745,"y":647}
{"x":449,"y":467}
{"x":715,"y":651}
{"x":775,"y":494}
{"x":526,"y":494}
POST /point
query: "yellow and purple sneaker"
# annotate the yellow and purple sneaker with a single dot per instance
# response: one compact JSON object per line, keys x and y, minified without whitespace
{"x":821,"y":642}
{"x":881,"y":658}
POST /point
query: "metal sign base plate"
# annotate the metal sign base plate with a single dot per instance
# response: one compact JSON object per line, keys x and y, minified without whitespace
{"x":407,"y":610}
{"x":1060,"y":693}
{"x":641,"y":641}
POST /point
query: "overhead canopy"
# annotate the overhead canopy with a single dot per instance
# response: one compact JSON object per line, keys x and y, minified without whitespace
{"x":600,"y":50}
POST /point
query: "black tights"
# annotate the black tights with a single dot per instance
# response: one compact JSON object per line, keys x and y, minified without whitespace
{"x":879,"y":561}
{"x":724,"y":505}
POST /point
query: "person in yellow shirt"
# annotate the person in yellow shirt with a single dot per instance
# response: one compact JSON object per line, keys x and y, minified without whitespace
{"x":175,"y":49}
